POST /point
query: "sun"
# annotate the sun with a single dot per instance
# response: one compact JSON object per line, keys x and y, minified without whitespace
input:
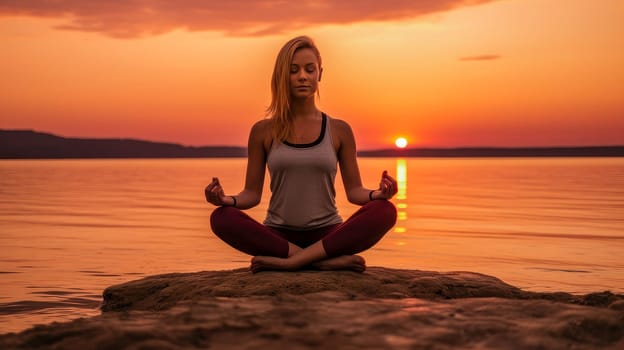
{"x":400,"y":142}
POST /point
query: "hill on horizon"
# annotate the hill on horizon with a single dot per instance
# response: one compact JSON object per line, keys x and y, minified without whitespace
{"x":29,"y":144}
{"x":32,"y":144}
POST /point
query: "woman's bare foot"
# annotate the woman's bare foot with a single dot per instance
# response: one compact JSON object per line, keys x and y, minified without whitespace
{"x":265,"y":263}
{"x":345,"y":262}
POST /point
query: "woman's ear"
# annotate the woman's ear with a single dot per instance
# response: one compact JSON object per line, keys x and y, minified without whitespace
{"x":320,"y":74}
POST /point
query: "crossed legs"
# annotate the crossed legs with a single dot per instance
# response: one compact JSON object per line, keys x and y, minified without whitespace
{"x":329,"y":248}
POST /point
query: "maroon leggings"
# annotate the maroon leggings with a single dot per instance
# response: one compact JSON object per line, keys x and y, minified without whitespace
{"x":360,"y":232}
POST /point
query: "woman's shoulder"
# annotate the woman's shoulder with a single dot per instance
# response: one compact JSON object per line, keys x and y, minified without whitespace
{"x":261,"y":134}
{"x":262,"y":128}
{"x":263,"y":124}
{"x":340,"y":126}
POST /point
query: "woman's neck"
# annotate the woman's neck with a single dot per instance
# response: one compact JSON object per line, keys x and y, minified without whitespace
{"x":304,"y":109}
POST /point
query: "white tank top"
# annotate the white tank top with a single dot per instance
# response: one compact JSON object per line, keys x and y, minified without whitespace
{"x":303,"y":196}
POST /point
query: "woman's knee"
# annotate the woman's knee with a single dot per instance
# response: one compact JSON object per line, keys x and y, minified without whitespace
{"x":222,"y":218}
{"x":385,"y":211}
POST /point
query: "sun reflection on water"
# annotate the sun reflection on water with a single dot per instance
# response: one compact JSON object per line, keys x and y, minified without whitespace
{"x":401,"y":198}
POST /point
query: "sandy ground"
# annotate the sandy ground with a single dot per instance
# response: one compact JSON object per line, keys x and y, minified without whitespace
{"x":379,"y":309}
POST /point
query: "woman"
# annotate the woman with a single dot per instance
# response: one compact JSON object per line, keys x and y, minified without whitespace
{"x":301,"y":147}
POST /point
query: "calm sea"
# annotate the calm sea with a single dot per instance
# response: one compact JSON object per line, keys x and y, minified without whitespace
{"x":70,"y":228}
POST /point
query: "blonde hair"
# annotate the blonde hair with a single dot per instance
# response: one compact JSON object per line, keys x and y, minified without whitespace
{"x":279,"y":110}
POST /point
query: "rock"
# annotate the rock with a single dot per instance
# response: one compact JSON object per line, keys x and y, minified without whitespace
{"x":163,"y":291}
{"x":381,"y":308}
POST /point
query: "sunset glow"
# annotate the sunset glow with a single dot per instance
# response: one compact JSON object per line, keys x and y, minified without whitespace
{"x":454,"y":72}
{"x":400,"y":142}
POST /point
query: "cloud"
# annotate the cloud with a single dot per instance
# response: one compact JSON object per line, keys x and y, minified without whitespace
{"x":138,"y":18}
{"x":480,"y":58}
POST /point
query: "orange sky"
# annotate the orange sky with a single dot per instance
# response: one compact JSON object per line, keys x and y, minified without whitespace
{"x":441,"y":73}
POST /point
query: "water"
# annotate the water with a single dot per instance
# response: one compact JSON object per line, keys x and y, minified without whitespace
{"x":70,"y":228}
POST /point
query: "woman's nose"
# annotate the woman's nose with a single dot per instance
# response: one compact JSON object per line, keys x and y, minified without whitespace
{"x":302,"y":75}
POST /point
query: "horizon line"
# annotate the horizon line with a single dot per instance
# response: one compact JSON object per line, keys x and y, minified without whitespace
{"x":382,"y":148}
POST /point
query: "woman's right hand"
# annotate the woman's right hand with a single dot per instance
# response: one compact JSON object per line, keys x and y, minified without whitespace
{"x":214,"y":193}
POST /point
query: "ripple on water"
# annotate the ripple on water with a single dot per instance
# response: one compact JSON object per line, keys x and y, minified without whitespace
{"x":25,"y":306}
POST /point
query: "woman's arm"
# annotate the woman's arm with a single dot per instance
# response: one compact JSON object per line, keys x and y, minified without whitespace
{"x":347,"y":158}
{"x":250,"y":196}
{"x":257,"y":151}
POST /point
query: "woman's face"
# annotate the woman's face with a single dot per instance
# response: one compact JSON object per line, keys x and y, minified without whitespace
{"x":304,"y":74}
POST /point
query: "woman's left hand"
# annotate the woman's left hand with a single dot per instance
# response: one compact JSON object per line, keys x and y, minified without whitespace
{"x":387,"y":187}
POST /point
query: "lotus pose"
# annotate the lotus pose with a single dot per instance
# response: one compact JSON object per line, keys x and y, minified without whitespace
{"x":302,"y":147}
